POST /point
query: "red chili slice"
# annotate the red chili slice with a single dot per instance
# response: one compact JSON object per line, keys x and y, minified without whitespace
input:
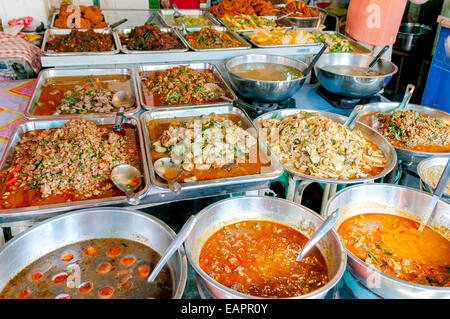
{"x":59,"y":277}
{"x":127,"y":261}
{"x":106,"y":292}
{"x":86,"y":287}
{"x":104,"y":268}
{"x":67,"y":257}
{"x":114,"y":251}
{"x":143,"y":271}
{"x":63,"y":296}
{"x":36,"y":275}
{"x":128,"y":285}
{"x":90,"y":251}
{"x":23,"y":294}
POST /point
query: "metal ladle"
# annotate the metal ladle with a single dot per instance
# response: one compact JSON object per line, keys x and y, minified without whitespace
{"x":173,"y":247}
{"x":164,"y":164}
{"x":121,"y":99}
{"x":438,"y":191}
{"x":176,"y":13}
{"x":377,"y":58}
{"x":323,"y":230}
{"x":127,"y":178}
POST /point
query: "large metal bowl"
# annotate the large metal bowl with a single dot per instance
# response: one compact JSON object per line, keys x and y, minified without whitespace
{"x":403,"y":153}
{"x":264,"y":91}
{"x":394,"y":200}
{"x":237,"y":209}
{"x":350,"y":86}
{"x":88,"y":224}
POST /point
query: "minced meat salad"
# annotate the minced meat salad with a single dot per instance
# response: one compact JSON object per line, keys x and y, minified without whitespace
{"x":81,"y":41}
{"x":148,"y":38}
{"x":75,"y":158}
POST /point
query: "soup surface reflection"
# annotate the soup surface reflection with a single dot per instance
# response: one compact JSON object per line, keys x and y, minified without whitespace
{"x":266,"y":71}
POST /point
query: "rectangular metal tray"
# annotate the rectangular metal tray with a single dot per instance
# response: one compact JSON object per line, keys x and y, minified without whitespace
{"x":123,"y":48}
{"x":306,"y":22}
{"x":49,"y":73}
{"x":167,"y":16}
{"x":50,"y":32}
{"x":362,"y":49}
{"x":245,"y":44}
{"x":197,"y":66}
{"x":52,"y":23}
{"x":275,"y":169}
{"x":39,"y":212}
{"x":309,"y":45}
{"x":286,"y":23}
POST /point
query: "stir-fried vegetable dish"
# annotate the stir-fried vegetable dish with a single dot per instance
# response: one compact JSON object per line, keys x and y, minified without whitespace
{"x":81,"y":41}
{"x":335,"y":42}
{"x":209,"y":38}
{"x":150,"y":38}
{"x":249,"y":22}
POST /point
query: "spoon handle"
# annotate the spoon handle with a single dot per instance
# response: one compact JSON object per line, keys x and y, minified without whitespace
{"x":314,"y":61}
{"x":408,"y":94}
{"x":118,"y":120}
{"x":173,"y":247}
{"x":132,"y":198}
{"x":326,"y":226}
{"x":175,"y":187}
{"x":378,"y":57}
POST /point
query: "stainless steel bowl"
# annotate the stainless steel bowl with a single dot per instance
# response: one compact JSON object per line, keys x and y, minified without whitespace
{"x":237,"y":209}
{"x":87,"y":224}
{"x":264,"y":91}
{"x":404,"y":153}
{"x":350,"y":86}
{"x":394,"y":200}
{"x":411,"y":35}
{"x":427,"y":163}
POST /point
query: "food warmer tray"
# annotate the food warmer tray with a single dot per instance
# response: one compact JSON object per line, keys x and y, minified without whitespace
{"x":48,"y":73}
{"x":52,"y":23}
{"x":402,"y":153}
{"x":369,"y":133}
{"x":275,"y":168}
{"x":285,"y":22}
{"x":316,"y":44}
{"x":50,"y":32}
{"x":245,"y":44}
{"x":36,"y":213}
{"x":124,"y":49}
{"x":305,"y":22}
{"x":209,"y":66}
{"x":360,"y":48}
{"x":168,"y":20}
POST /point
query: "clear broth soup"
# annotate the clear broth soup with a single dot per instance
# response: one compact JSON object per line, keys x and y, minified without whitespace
{"x":261,"y":71}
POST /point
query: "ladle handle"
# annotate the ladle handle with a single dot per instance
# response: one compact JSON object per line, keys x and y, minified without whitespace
{"x":314,"y":61}
{"x":118,"y":120}
{"x":151,"y":17}
{"x":242,"y":105}
{"x":132,"y":198}
{"x":116,"y":24}
{"x":326,"y":226}
{"x":173,"y":247}
{"x":175,"y":187}
{"x":408,"y":94}
{"x":378,"y":57}
{"x":350,"y":123}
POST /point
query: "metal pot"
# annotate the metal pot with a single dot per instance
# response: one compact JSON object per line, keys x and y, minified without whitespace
{"x":87,"y":224}
{"x":350,"y":86}
{"x":427,"y":163}
{"x":237,"y":209}
{"x":264,"y":91}
{"x":410,"y":35}
{"x":394,"y":200}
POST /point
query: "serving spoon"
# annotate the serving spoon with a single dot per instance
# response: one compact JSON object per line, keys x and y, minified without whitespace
{"x":377,"y":58}
{"x":406,"y":97}
{"x":121,"y":99}
{"x":323,"y":230}
{"x":127,"y":178}
{"x":173,"y":247}
{"x":176,"y":13}
{"x":167,"y":170}
{"x":438,"y":191}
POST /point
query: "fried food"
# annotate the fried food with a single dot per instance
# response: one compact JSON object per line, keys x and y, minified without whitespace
{"x":232,"y":8}
{"x":80,"y":17}
{"x":300,"y":8}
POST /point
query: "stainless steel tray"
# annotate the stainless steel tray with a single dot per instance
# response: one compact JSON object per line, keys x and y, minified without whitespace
{"x":285,"y":23}
{"x":360,"y":48}
{"x":52,"y":23}
{"x":306,"y":22}
{"x":50,"y":32}
{"x":45,"y":211}
{"x":317,"y":45}
{"x":167,"y":17}
{"x":244,"y":46}
{"x":369,"y":133}
{"x":275,"y":167}
{"x":124,"y":49}
{"x":135,"y":17}
{"x":403,"y":153}
{"x":197,"y":66}
{"x":49,"y":73}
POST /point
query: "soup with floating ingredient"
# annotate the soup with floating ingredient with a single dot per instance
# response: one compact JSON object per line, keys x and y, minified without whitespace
{"x":351,"y":70}
{"x":109,"y":268}
{"x":258,"y":258}
{"x":267,"y":71}
{"x":394,"y":245}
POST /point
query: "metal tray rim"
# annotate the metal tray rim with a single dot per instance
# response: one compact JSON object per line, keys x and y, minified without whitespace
{"x":277,"y":171}
{"x":244,"y":34}
{"x":133,"y":111}
{"x":204,"y":13}
{"x":33,"y":212}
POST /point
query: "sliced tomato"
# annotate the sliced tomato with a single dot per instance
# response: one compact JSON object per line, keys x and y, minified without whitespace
{"x":59,"y":277}
{"x":114,"y":251}
{"x":128,"y":261}
{"x":67,"y":257}
{"x":86,"y":287}
{"x":90,"y":251}
{"x":106,"y":292}
{"x":143,"y":271}
{"x":104,"y":268}
{"x":23,"y":294}
{"x":36,"y":275}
